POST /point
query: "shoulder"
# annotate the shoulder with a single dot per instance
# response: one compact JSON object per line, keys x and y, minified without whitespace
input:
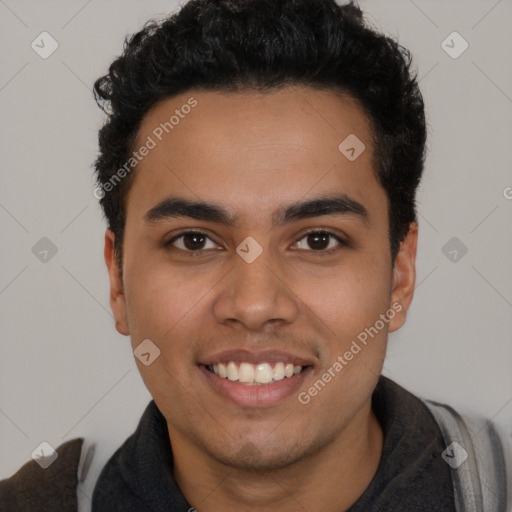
{"x":48,"y":482}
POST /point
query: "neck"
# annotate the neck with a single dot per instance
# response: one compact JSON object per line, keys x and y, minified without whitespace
{"x":335,"y":476}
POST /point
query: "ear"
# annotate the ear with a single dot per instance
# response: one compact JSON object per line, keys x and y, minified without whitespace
{"x":117,"y":299}
{"x":404,"y":277}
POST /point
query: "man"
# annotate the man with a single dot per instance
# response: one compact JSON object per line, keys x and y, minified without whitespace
{"x":258,"y":171}
{"x":261,"y":246}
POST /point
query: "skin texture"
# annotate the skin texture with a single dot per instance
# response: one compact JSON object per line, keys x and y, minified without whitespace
{"x":254,"y":153}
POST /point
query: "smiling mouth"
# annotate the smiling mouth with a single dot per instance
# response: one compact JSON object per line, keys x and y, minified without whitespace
{"x":255,"y":374}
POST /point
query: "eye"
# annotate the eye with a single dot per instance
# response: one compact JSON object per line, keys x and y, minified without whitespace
{"x":197,"y":241}
{"x":319,"y":241}
{"x":190,"y":241}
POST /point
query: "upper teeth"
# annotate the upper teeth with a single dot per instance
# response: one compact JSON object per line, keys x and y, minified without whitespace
{"x":261,"y":373}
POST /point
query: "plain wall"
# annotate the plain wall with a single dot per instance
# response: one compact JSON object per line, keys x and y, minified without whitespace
{"x":65,"y":372}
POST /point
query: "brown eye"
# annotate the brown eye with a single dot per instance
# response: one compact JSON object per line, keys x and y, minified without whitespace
{"x":194,"y":241}
{"x":190,"y":241}
{"x":320,"y":241}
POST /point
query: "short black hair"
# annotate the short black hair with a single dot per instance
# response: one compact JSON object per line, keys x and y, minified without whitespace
{"x":264,"y":45}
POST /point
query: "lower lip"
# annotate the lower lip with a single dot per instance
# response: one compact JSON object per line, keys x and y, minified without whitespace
{"x":257,"y":395}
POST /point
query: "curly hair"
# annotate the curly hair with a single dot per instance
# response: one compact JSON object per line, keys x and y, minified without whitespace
{"x":262,"y":45}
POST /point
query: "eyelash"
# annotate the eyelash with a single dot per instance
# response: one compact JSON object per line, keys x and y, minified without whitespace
{"x":199,"y":252}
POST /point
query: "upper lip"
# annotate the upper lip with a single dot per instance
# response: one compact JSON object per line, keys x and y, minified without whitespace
{"x":255,"y":357}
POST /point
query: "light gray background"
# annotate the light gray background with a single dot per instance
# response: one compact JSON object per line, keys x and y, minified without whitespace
{"x":64,"y":370}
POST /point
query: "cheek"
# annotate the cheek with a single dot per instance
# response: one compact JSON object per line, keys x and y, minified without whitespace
{"x":347,"y":300}
{"x":354,"y":337}
{"x":162,"y":302}
{"x":164,"y":307}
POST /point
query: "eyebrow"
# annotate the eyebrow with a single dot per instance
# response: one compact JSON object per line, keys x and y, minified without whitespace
{"x":178,"y":207}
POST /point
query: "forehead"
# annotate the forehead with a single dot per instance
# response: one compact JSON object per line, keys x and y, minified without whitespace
{"x":250,"y":149}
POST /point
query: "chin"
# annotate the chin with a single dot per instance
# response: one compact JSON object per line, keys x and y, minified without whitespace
{"x":251,"y":458}
{"x":263,"y":455}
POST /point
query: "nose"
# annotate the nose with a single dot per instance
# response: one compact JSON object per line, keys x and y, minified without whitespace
{"x":256,"y":294}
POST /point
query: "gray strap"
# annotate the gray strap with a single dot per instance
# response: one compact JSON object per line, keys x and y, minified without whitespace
{"x":481,"y":480}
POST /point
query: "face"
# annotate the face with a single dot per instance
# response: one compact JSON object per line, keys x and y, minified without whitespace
{"x":288,"y":263}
